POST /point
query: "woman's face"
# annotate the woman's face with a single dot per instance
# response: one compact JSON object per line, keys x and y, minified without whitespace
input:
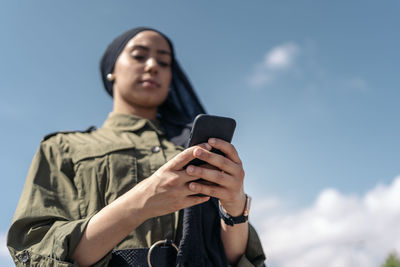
{"x":142,"y":72}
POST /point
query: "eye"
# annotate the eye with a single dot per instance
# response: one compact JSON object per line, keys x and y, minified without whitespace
{"x":163,"y":64}
{"x":139,"y":58}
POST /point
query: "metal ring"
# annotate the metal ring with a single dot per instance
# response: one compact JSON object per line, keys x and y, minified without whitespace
{"x":158,"y":243}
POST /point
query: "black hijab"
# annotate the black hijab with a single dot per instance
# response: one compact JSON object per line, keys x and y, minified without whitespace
{"x":181,"y":106}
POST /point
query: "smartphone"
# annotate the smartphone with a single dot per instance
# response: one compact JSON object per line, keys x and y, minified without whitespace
{"x":207,"y":126}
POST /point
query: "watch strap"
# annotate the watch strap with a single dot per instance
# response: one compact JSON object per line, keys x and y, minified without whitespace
{"x":229,"y":219}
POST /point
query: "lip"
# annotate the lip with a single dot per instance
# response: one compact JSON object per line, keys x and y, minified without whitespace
{"x":150,"y":83}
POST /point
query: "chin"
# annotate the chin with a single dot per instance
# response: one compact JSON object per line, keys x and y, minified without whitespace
{"x":150,"y":103}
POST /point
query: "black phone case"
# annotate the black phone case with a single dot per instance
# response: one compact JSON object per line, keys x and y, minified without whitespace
{"x":208,"y":126}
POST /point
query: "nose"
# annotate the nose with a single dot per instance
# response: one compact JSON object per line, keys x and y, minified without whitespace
{"x":151,"y":65}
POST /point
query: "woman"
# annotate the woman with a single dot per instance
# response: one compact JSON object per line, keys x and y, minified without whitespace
{"x":104,"y":197}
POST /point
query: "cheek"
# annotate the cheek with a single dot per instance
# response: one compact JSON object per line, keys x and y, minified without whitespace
{"x":126,"y":69}
{"x":167,"y":77}
{"x":131,"y":71}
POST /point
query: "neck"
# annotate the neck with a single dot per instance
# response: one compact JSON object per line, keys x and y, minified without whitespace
{"x":144,"y":112}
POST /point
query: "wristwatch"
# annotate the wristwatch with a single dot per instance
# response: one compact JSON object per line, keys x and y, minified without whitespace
{"x":229,"y":219}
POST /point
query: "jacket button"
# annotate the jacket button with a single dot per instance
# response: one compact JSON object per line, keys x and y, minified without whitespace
{"x":25,"y":257}
{"x":155,"y":149}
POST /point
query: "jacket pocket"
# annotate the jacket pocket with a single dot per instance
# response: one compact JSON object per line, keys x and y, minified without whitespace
{"x":122,"y":173}
{"x":103,"y":173}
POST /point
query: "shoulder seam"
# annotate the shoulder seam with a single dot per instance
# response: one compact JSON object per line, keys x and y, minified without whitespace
{"x":88,"y":130}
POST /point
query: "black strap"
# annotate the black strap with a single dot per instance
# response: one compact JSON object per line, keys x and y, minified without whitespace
{"x":161,"y":256}
{"x":200,"y":245}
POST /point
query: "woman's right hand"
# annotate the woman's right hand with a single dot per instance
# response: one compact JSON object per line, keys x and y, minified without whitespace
{"x":167,"y":190}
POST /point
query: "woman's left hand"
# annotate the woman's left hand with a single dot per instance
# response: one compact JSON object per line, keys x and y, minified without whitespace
{"x":227,"y":178}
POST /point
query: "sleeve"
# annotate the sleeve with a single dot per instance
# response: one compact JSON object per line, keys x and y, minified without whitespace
{"x":254,"y":255}
{"x":47,"y":225}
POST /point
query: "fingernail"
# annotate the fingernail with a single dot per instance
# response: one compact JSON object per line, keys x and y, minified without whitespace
{"x":208,"y":147}
{"x":197,"y":152}
{"x":192,"y":186}
{"x":212,"y":141}
{"x":190,"y":169}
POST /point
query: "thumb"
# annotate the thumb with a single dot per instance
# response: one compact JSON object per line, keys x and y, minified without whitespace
{"x":183,"y":158}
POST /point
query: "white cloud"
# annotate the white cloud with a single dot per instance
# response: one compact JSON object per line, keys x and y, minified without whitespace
{"x":3,"y":246}
{"x":299,"y":65}
{"x":5,"y":257}
{"x":281,"y":57}
{"x":276,"y":61}
{"x":338,"y":230}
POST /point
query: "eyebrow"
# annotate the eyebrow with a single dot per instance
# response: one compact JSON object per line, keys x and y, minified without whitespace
{"x":159,"y":51}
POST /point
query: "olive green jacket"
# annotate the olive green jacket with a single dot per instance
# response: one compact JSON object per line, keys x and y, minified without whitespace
{"x":74,"y":175}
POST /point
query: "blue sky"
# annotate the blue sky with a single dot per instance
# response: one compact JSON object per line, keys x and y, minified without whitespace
{"x":313,"y":85}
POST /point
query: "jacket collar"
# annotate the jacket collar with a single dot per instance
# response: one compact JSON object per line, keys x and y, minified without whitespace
{"x":128,"y":122}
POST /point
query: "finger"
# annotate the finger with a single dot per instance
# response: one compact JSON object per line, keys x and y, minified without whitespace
{"x":227,"y":148}
{"x":208,"y":190}
{"x":221,"y":162}
{"x":186,"y":177}
{"x":216,"y":176}
{"x":183,"y":158}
